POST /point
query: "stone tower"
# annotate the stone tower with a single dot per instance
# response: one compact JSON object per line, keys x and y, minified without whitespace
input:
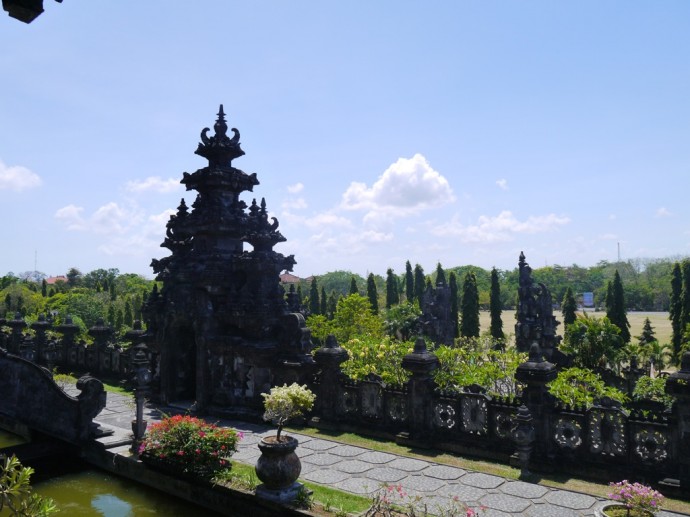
{"x":220,"y":323}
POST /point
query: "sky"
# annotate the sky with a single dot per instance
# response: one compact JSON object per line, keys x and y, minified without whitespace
{"x":459,"y":132}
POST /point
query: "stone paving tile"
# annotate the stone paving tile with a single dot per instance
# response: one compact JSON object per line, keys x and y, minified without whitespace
{"x":319,"y":445}
{"x":326,"y":477}
{"x":377,"y":457}
{"x":570,"y":499}
{"x":385,"y":475}
{"x":505,"y":503}
{"x":422,"y":483}
{"x":353,"y":466}
{"x":408,"y":464}
{"x":443,"y":472}
{"x":348,"y":451}
{"x":479,"y":480}
{"x":464,"y":493}
{"x":522,"y":489}
{"x":360,"y":486}
{"x":491,"y":512}
{"x":321,"y":459}
{"x":246,"y":454}
{"x":549,"y":510}
{"x":308,"y":467}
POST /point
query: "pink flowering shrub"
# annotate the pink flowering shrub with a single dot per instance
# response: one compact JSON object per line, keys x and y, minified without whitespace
{"x":200,"y":447}
{"x":637,"y":498}
{"x":393,"y":501}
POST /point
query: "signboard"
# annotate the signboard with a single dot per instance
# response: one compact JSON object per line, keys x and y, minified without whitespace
{"x":588,"y":299}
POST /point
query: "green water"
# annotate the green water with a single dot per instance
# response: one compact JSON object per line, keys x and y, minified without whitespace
{"x":95,"y":493}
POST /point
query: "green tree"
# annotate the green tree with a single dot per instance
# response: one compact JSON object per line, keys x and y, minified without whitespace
{"x":44,"y":288}
{"x":469,"y":322}
{"x":659,"y":355}
{"x":440,"y":275}
{"x":74,"y":277}
{"x":111,"y":315}
{"x":113,"y":292}
{"x":419,"y":283}
{"x":581,"y":387}
{"x":314,"y":305}
{"x":324,"y":302}
{"x":400,"y":321}
{"x":353,"y":317}
{"x":409,"y":282}
{"x":353,"y":286}
{"x":128,"y":318}
{"x":568,"y":308}
{"x":685,"y":296}
{"x":372,"y":293}
{"x":676,"y":310}
{"x":332,"y":303}
{"x":615,"y":307}
{"x":593,"y":342}
{"x":454,"y":304}
{"x":647,"y":335}
{"x":496,"y":307}
{"x":392,"y":295}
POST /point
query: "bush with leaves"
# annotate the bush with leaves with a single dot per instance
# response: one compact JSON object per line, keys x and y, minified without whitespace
{"x":380,"y":356}
{"x":648,"y":388}
{"x":582,"y":387}
{"x":593,"y":342}
{"x":400,"y":321}
{"x":285,"y":402}
{"x":16,"y":496}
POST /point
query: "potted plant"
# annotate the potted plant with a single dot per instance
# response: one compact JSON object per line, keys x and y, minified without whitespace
{"x":632,"y":500}
{"x":278,"y":467}
{"x":188,"y":446}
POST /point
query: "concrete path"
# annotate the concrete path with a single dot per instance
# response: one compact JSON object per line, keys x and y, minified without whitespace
{"x":364,"y":471}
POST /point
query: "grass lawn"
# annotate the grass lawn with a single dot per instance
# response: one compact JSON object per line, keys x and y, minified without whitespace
{"x":659,"y":320}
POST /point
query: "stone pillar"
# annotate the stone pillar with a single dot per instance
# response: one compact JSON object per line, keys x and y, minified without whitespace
{"x":330,"y":395}
{"x":100,"y":333}
{"x":17,"y":325}
{"x":40,"y":327}
{"x":69,"y":331}
{"x":535,"y":373}
{"x":678,"y":385}
{"x":421,"y":364}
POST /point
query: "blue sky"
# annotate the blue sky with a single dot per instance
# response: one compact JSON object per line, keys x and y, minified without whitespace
{"x":453,"y":131}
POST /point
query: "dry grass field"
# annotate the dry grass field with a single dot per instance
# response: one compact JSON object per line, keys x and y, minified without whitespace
{"x":659,"y":320}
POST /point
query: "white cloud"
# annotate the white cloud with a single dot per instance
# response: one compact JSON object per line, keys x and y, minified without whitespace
{"x":71,"y":216}
{"x":406,"y":187}
{"x":501,"y":228}
{"x":18,"y":178}
{"x":663,"y":212}
{"x":154,"y":184}
{"x":296,"y":188}
{"x":145,"y":241}
{"x":502,"y":184}
{"x":323,"y":221}
{"x":109,"y":219}
{"x":295,"y":204}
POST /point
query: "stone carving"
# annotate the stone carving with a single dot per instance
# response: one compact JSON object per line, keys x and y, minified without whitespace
{"x":474,"y":414}
{"x":607,"y":432}
{"x":221,"y":325}
{"x":651,"y":445}
{"x":568,"y":433}
{"x":397,"y":409}
{"x":436,"y":322}
{"x":444,"y":415}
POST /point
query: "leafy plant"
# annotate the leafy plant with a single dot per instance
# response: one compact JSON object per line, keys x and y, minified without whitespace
{"x":582,"y":387}
{"x":200,"y":447}
{"x":380,"y":356}
{"x":286,"y":402}
{"x":15,"y":491}
{"x":304,"y":499}
{"x":636,"y":497}
{"x":593,"y":342}
{"x":648,"y":388}
{"x":393,"y":501}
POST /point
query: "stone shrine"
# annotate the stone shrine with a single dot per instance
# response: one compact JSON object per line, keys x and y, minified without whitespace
{"x":220,"y":325}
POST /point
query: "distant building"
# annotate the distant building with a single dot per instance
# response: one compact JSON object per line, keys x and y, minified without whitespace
{"x":52,"y":280}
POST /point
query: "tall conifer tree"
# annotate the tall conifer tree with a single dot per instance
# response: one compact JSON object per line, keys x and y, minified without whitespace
{"x":469,"y":323}
{"x":324,"y":302}
{"x":314,"y":304}
{"x":615,"y":307}
{"x":392,"y":296}
{"x":568,"y":308}
{"x":372,"y":293}
{"x":440,"y":274}
{"x":409,"y":282}
{"x":419,"y":283}
{"x":496,"y":307}
{"x":453,"y":284}
{"x":676,"y":310}
{"x":353,"y":286}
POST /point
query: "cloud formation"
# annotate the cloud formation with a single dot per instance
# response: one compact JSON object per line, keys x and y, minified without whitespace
{"x":407,"y":187}
{"x":154,"y":184}
{"x":502,"y":184}
{"x":663,"y":212}
{"x":18,"y":178}
{"x":501,"y":228}
{"x":108,"y":219}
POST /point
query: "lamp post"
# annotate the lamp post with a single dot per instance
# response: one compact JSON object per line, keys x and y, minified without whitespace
{"x":139,"y":362}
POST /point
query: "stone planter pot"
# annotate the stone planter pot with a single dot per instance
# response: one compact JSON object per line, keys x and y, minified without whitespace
{"x":603,"y":511}
{"x":278,"y":468}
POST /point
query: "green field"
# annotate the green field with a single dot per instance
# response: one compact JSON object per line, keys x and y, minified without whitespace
{"x":660,"y":323}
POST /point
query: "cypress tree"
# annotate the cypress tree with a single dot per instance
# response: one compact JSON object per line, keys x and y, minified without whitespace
{"x":647,"y":335}
{"x":128,"y":319}
{"x":332,"y":304}
{"x":568,"y":308}
{"x":440,"y":275}
{"x":8,"y":302}
{"x":314,"y":305}
{"x":119,"y":320}
{"x":409,"y":282}
{"x":685,"y":298}
{"x":324,"y":302}
{"x":469,"y":324}
{"x":111,"y":315}
{"x":353,"y":286}
{"x":495,"y":307}
{"x":453,"y":284}
{"x":615,"y":307}
{"x":676,"y":310}
{"x":392,"y":296}
{"x":372,"y":293}
{"x":419,"y":283}
{"x":44,"y":288}
{"x":113,"y":294}
{"x":299,"y":294}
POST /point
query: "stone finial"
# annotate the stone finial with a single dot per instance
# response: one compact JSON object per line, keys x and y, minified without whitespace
{"x":220,"y":150}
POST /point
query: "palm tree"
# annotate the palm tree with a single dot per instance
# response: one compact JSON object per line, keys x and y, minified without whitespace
{"x":659,"y":355}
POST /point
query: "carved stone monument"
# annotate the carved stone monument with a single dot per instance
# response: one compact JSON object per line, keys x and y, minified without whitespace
{"x":220,"y":324}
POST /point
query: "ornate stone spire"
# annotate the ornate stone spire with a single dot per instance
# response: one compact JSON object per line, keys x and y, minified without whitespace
{"x":220,"y":150}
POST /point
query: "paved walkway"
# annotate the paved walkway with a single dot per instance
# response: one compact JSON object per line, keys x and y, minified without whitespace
{"x":363,"y":471}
